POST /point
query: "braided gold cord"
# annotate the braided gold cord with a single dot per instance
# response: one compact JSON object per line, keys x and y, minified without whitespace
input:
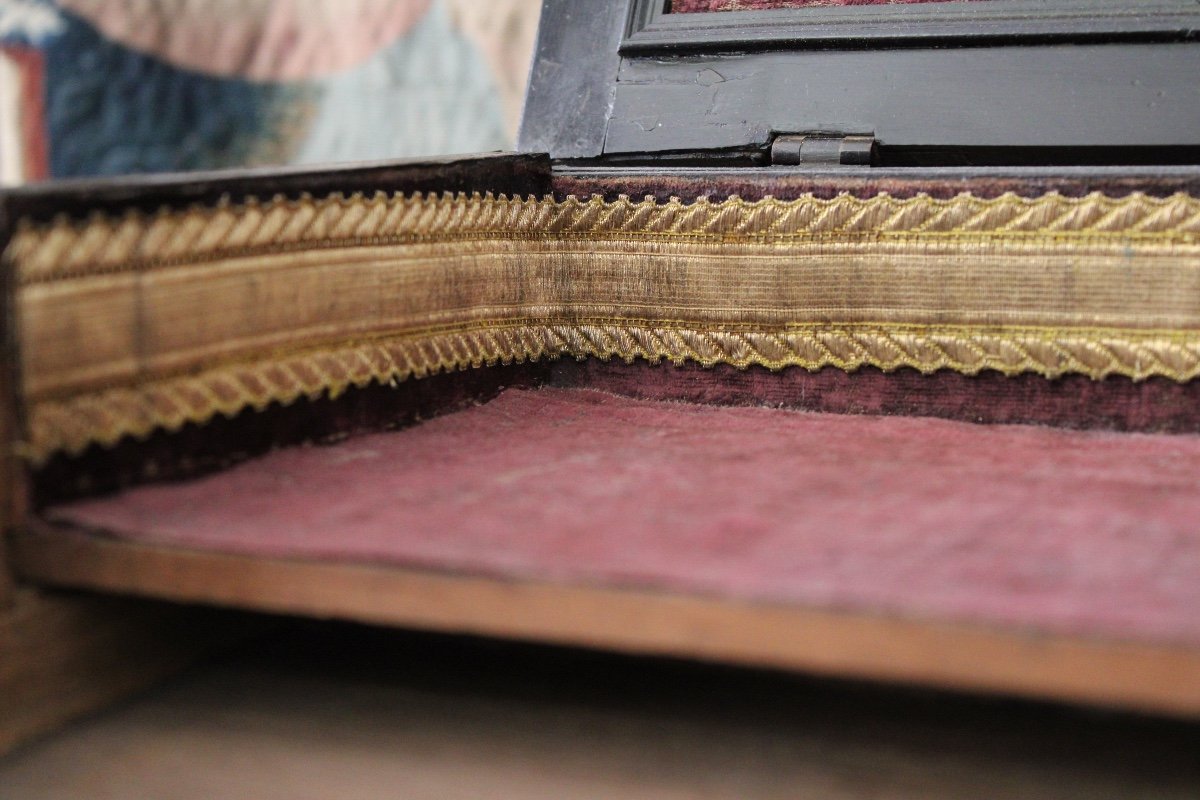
{"x":106,"y":417}
{"x":138,"y":241}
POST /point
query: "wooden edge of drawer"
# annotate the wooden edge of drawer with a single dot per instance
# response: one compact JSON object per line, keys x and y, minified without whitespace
{"x":1134,"y":676}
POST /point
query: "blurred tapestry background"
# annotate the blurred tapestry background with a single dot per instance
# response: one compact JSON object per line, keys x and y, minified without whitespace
{"x":109,"y":87}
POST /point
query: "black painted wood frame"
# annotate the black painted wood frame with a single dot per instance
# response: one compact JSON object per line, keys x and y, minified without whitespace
{"x":1046,"y":82}
{"x":652,"y":28}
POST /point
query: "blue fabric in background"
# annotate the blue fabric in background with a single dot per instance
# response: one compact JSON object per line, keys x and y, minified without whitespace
{"x":112,"y":111}
{"x":109,"y":109}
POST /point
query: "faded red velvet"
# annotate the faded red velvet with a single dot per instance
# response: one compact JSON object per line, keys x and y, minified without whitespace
{"x":698,"y":6}
{"x":1081,"y":532}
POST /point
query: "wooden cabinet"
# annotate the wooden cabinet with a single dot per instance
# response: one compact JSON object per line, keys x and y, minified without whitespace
{"x":892,"y":374}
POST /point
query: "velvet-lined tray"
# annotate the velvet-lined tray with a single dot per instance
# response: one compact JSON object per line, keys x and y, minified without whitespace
{"x":1010,"y":558}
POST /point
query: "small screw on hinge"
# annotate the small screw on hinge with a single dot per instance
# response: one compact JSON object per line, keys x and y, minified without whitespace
{"x":824,"y":149}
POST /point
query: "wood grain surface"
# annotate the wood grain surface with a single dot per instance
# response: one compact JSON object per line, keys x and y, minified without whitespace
{"x":332,"y":711}
{"x":63,"y":656}
{"x":1145,"y":677}
{"x":11,"y":478}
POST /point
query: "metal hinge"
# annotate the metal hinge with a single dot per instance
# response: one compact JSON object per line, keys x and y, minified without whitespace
{"x":823,"y":149}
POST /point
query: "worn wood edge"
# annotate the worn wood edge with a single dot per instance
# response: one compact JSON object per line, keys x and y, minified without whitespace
{"x":12,"y":475}
{"x":65,"y":656}
{"x":512,"y":174}
{"x":1160,"y":679}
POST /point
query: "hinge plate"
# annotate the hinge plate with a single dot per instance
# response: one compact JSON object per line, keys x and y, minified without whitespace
{"x":824,"y":149}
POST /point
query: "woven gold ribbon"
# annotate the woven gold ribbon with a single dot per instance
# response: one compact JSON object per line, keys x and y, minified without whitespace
{"x":134,"y":323}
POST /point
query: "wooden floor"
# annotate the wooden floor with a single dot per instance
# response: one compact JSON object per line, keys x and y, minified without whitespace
{"x":323,"y":710}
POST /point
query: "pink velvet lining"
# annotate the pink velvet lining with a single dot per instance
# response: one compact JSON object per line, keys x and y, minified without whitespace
{"x":1078,"y":532}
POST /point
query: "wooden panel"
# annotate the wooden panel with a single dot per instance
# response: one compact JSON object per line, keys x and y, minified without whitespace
{"x":821,"y":24}
{"x":1145,"y":677}
{"x":10,"y":477}
{"x":1100,"y":96}
{"x":1037,"y":75}
{"x":514,"y":175}
{"x":64,"y":656}
{"x":346,"y":712}
{"x":572,"y":78}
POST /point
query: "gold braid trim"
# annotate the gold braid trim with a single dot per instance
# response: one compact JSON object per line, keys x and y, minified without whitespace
{"x":106,"y":417}
{"x":146,"y":322}
{"x":135,"y":241}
